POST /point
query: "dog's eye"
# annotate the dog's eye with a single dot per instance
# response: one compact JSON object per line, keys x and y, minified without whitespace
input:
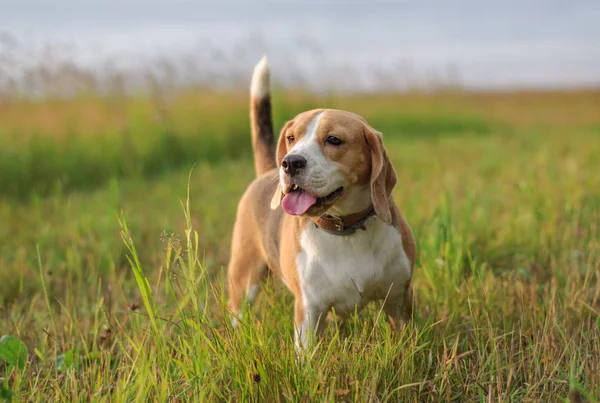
{"x":290,"y":139}
{"x":334,"y":141}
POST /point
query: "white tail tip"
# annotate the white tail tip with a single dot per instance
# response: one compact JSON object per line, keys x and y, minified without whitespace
{"x":259,"y":87}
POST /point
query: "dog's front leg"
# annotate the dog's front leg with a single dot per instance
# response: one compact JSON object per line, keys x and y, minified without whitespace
{"x":400,"y":309}
{"x":310,"y":322}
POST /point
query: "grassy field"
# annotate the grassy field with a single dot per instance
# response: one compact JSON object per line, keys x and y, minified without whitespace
{"x":115,"y":218}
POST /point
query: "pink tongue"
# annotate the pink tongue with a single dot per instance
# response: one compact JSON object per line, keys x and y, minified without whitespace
{"x":297,"y":202}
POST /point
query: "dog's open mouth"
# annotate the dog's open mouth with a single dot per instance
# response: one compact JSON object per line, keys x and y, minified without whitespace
{"x":298,"y":201}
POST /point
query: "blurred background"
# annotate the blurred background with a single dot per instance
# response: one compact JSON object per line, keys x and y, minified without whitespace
{"x":331,"y":45}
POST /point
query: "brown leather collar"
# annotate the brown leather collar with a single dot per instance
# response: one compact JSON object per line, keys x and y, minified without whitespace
{"x":346,"y":225}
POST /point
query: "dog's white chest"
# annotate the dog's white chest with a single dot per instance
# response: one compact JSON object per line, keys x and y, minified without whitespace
{"x":345,"y":272}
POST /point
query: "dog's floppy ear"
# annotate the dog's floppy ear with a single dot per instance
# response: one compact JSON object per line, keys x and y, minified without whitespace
{"x":281,"y":151}
{"x":276,"y":199}
{"x":383,"y":175}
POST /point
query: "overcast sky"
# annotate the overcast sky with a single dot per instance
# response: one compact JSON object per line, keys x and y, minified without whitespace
{"x":500,"y":43}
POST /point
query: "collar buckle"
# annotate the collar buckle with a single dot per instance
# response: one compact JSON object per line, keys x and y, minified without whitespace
{"x":339,"y":223}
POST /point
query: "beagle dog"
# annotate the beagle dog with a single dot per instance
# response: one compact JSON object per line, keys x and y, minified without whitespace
{"x":320,"y":215}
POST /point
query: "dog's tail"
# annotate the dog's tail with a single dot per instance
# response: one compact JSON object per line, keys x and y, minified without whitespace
{"x":261,"y":121}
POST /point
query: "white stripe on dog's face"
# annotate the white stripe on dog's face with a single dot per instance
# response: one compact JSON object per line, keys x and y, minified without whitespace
{"x":308,"y":143}
{"x":321,"y":175}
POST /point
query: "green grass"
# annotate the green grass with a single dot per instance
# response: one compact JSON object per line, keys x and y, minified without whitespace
{"x":113,"y":277}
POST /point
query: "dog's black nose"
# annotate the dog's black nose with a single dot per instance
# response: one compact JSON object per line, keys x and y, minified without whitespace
{"x":292,"y":163}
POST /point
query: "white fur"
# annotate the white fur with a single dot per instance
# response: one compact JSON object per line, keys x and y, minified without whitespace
{"x":321,"y":176}
{"x":347,"y":272}
{"x":252,"y":292}
{"x":259,"y":87}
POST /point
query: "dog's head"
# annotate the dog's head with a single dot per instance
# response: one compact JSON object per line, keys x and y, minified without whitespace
{"x":332,"y":161}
